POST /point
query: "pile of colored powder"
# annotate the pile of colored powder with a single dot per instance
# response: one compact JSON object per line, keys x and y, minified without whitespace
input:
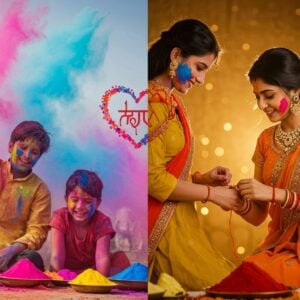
{"x":91,"y":277}
{"x":24,"y":269}
{"x":136,"y":271}
{"x":53,"y":275}
{"x":66,"y":274}
{"x":248,"y":278}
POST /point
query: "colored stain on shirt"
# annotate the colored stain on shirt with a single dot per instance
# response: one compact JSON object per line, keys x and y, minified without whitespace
{"x":24,"y":269}
{"x":91,"y":277}
{"x":66,"y":274}
{"x":136,"y":271}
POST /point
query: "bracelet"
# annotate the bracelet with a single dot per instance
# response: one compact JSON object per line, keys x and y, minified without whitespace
{"x":292,"y":201}
{"x":208,"y":194}
{"x":246,"y":209}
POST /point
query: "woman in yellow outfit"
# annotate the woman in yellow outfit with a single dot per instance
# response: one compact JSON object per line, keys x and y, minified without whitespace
{"x":177,"y":243}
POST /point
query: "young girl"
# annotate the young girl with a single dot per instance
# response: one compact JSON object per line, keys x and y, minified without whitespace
{"x":81,"y":234}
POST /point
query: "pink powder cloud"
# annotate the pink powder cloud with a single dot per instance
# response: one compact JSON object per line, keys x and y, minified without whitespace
{"x":8,"y":110}
{"x":17,"y":27}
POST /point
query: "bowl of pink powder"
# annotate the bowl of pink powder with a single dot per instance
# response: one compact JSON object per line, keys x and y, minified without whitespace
{"x":24,"y":273}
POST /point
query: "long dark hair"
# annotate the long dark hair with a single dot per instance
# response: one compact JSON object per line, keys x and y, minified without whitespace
{"x":277,"y":66}
{"x":191,"y":36}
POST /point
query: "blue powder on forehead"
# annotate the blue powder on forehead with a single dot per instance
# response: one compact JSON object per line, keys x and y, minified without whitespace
{"x":136,"y":271}
{"x":84,"y":179}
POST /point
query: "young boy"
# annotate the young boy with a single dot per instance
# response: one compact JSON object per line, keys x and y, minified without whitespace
{"x":81,"y":234}
{"x":25,"y":199}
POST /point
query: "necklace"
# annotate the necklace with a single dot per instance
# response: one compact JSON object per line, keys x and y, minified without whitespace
{"x":287,"y":140}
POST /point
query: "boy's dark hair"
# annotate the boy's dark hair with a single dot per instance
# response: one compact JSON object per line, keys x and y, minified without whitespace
{"x":31,"y":129}
{"x":88,"y":181}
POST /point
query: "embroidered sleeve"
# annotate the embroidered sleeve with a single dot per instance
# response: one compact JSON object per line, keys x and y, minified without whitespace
{"x":258,"y":157}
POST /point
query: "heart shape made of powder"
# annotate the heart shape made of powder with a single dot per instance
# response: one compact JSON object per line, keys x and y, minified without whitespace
{"x":128,"y":114}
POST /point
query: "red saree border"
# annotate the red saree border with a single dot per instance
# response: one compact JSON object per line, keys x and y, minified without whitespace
{"x":160,"y":213}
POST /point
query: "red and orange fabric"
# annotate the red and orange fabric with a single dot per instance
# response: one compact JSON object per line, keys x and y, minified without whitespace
{"x":279,"y":253}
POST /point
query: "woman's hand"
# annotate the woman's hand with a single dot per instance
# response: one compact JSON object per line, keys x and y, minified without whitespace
{"x":214,"y":177}
{"x":227,"y":198}
{"x":252,"y":189}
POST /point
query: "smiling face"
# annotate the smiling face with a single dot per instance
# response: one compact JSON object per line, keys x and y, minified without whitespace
{"x":24,"y":154}
{"x":192,"y":70}
{"x":81,"y":205}
{"x":272,"y":99}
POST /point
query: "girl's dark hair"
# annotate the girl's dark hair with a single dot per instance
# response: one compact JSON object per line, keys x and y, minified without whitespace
{"x":31,"y":129}
{"x":191,"y":36}
{"x":88,"y":181}
{"x":277,"y":66}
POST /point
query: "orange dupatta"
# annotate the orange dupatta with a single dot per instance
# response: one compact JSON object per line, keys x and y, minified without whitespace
{"x":159,"y":213}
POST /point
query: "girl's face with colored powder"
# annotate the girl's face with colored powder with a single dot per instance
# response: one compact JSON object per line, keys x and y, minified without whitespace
{"x":24,"y":154}
{"x":81,"y":205}
{"x":271,"y":99}
{"x":192,"y":70}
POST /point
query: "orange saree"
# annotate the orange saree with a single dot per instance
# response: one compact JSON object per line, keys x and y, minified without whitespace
{"x":159,"y":213}
{"x":279,"y":253}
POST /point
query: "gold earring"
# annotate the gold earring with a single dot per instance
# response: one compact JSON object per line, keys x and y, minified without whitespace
{"x":295,"y":105}
{"x":173,"y":68}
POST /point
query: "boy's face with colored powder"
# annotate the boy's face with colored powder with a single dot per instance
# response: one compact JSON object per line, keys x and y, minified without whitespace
{"x":24,"y":154}
{"x":81,"y":205}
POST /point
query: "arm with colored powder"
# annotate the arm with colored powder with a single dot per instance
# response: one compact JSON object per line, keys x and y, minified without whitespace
{"x":58,"y":252}
{"x":102,"y":256}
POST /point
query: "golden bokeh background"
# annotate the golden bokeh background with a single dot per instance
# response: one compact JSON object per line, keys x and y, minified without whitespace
{"x":223,"y":112}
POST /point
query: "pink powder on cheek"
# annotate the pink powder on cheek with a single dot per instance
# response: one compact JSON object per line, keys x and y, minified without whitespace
{"x":283,"y":105}
{"x":24,"y":269}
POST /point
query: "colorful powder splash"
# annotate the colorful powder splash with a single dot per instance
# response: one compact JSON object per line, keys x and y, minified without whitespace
{"x":92,"y":277}
{"x":136,"y":271}
{"x":24,"y":269}
{"x":17,"y":28}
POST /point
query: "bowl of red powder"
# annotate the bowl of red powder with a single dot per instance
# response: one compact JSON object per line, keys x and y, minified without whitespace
{"x":248,"y":281}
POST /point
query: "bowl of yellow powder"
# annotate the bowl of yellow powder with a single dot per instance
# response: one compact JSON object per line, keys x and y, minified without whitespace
{"x":91,"y":281}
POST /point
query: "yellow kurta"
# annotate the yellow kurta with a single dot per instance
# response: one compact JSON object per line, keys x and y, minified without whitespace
{"x":184,"y":250}
{"x":25,"y":209}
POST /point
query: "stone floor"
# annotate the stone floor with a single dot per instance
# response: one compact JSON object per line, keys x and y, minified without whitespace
{"x":65,"y":293}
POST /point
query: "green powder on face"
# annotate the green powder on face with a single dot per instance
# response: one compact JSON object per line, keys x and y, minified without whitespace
{"x":92,"y":277}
